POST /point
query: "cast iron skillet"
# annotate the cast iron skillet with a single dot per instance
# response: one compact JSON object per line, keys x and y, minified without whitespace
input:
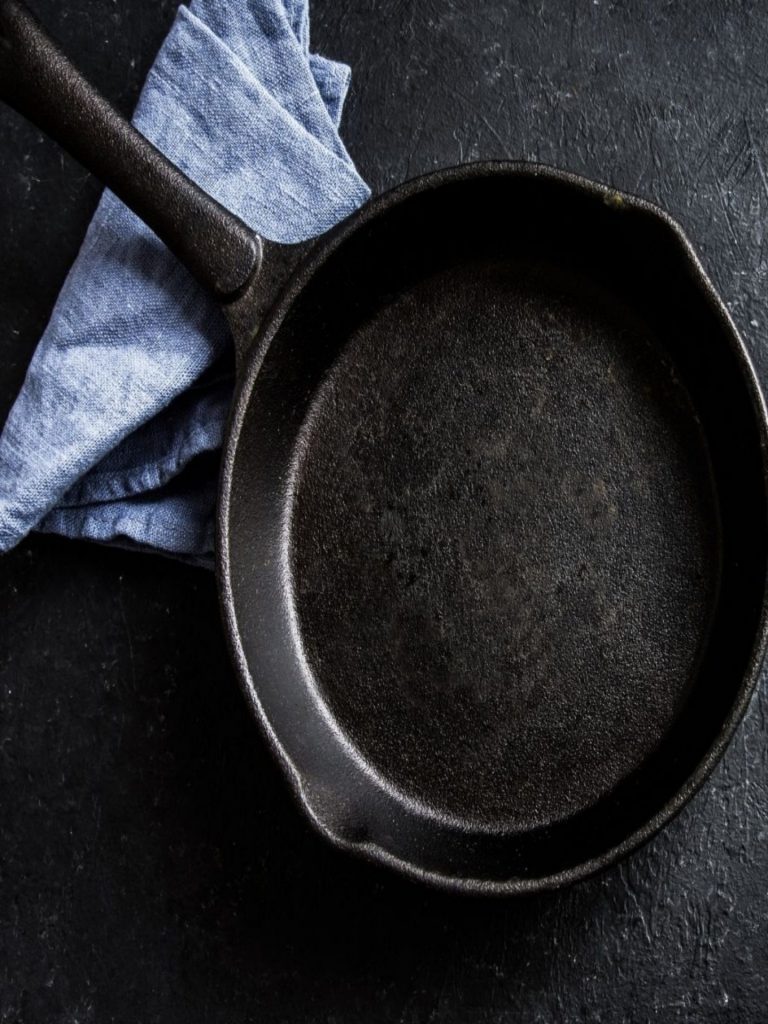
{"x":492,"y":528}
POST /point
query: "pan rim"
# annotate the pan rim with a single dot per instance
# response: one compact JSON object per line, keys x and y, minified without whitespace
{"x":370,"y":850}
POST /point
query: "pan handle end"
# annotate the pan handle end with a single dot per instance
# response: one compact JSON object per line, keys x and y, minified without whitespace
{"x":39,"y":82}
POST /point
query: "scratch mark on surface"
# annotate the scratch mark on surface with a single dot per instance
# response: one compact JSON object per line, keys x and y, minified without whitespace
{"x":728,"y":215}
{"x":494,"y":132}
{"x":129,"y":637}
{"x":481,"y":117}
{"x":756,"y":153}
{"x":631,"y":892}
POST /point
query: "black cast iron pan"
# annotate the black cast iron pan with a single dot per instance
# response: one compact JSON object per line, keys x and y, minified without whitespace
{"x":492,"y":528}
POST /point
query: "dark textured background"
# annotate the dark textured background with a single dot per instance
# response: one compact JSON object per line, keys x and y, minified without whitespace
{"x":153,"y":867}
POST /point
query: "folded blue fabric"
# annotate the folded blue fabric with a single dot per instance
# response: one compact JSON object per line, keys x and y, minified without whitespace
{"x":125,"y":395}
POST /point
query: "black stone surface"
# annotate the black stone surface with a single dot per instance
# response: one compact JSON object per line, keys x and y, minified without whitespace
{"x":153,"y":865}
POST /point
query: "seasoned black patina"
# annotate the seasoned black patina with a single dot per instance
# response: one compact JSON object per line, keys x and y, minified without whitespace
{"x":514,"y":497}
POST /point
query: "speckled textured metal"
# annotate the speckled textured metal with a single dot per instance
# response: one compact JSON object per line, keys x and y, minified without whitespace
{"x":493,"y":528}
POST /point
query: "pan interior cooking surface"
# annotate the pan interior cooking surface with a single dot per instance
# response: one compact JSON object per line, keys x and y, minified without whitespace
{"x":504,"y":541}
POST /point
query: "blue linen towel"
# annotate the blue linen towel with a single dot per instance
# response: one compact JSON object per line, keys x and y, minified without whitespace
{"x":126,"y":393}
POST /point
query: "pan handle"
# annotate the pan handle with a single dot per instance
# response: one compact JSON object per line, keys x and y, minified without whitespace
{"x":39,"y":82}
